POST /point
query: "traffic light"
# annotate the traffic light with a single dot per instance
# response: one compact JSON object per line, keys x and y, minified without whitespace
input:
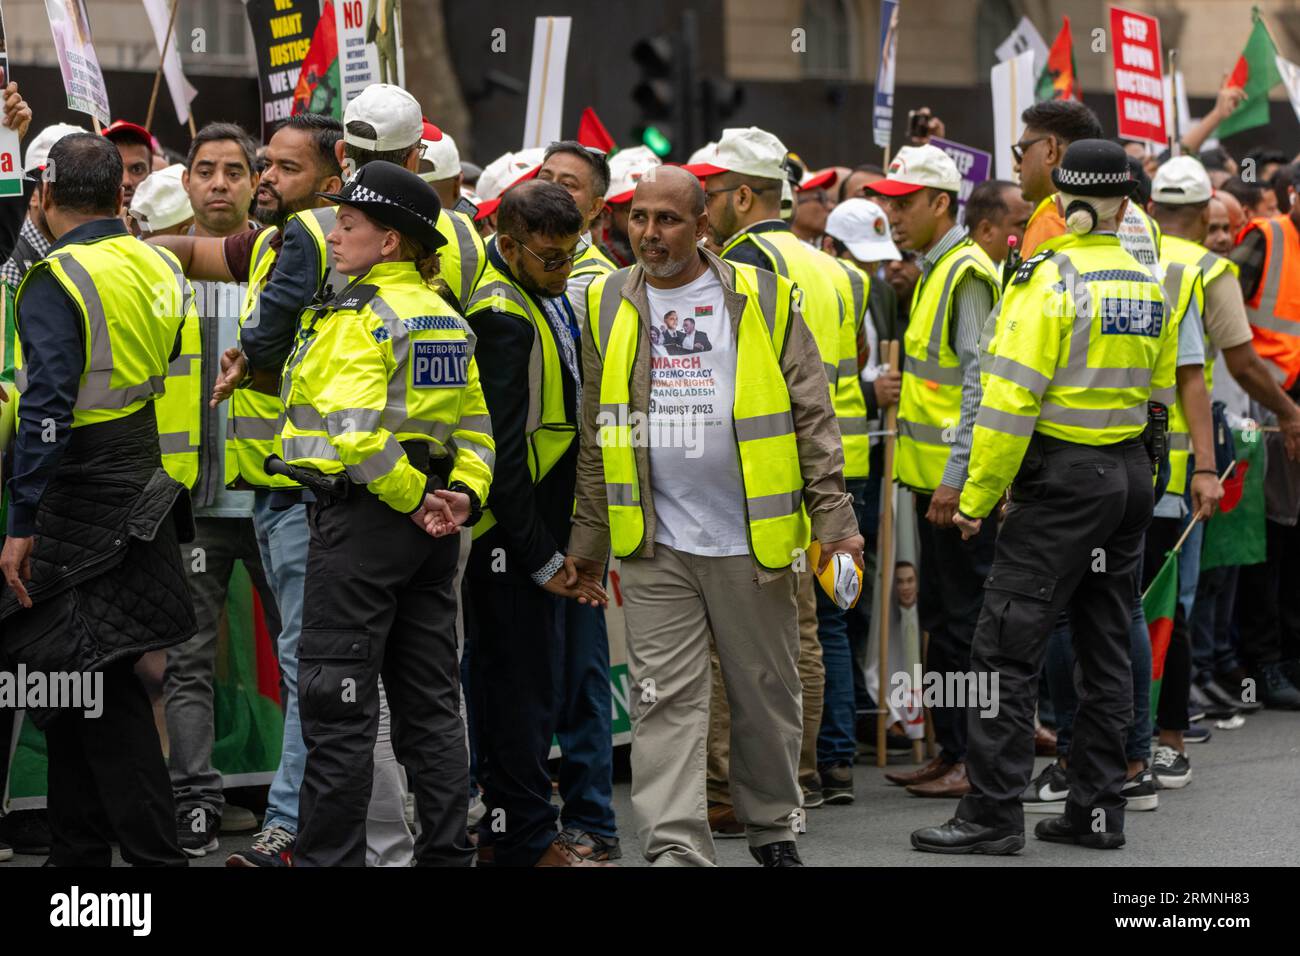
{"x":657,"y":94}
{"x":721,"y":100}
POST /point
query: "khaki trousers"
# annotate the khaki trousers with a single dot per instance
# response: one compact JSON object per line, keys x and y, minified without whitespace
{"x":676,"y":605}
{"x":812,"y":676}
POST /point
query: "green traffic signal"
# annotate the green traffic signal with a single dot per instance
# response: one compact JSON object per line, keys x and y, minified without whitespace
{"x":654,"y":138}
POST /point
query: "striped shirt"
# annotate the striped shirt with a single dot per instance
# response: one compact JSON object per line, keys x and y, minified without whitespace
{"x":972,"y":302}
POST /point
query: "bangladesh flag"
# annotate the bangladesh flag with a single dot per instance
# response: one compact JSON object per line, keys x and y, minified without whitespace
{"x":1059,"y":79}
{"x":1236,"y":533}
{"x":1158,"y":606}
{"x":318,"y":83}
{"x":1256,"y":72}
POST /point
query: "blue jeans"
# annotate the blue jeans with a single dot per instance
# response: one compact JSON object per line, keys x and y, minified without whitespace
{"x":1060,"y":676}
{"x":585,"y":709}
{"x":282,"y":539}
{"x":1213,"y":651}
{"x":1189,"y":568}
{"x":837,"y":739}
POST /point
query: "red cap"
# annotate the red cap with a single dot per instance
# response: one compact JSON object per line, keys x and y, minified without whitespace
{"x":704,"y":170}
{"x":432,"y":133}
{"x":892,"y":187}
{"x":823,"y":178}
{"x":125,"y":129}
{"x":488,"y":206}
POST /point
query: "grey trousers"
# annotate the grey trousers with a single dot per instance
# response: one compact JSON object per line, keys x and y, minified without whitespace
{"x":187,"y":689}
{"x":674,"y":604}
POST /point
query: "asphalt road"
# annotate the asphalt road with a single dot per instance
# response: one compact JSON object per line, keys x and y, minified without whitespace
{"x":1241,"y":800}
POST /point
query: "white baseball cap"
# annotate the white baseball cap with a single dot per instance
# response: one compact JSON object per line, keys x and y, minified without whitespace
{"x":702,"y":154}
{"x":916,"y":167}
{"x":626,"y":167}
{"x":161,"y":202}
{"x":1180,"y":181}
{"x":505,"y":171}
{"x":441,"y":159}
{"x":38,"y":150}
{"x":393,"y":113}
{"x":749,"y":151}
{"x":864,"y":228}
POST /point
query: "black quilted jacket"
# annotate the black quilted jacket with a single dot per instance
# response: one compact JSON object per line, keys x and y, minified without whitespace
{"x":107,"y":580}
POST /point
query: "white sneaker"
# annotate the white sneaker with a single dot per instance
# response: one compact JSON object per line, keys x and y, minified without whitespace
{"x":1172,"y":770}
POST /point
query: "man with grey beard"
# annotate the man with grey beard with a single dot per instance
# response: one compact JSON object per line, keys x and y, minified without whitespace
{"x":707,"y":530}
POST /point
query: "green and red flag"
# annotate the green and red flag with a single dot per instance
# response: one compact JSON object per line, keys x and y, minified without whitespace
{"x":1236,"y":533}
{"x":1159,"y":604}
{"x":1059,"y":79}
{"x":592,"y":132}
{"x":1256,"y":72}
{"x":318,"y":89}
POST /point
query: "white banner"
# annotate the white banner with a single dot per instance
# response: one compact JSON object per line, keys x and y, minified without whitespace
{"x":370,"y":45}
{"x":82,"y":80}
{"x":1291,"y":80}
{"x":182,"y":93}
{"x":11,"y":184}
{"x":1013,"y":93}
{"x":544,"y":117}
{"x":1025,"y":37}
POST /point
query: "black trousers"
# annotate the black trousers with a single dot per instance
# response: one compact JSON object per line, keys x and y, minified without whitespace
{"x":1176,"y":685}
{"x":951,"y":577}
{"x":107,"y":781}
{"x":379,"y":600}
{"x":1268,"y":600}
{"x":513,"y":682}
{"x":1072,"y":539}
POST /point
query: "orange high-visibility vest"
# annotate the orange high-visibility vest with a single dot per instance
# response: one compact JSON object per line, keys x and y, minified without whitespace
{"x":1274,"y":309}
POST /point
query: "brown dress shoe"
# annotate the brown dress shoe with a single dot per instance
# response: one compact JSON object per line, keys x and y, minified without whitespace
{"x":723,"y":822}
{"x":1044,"y":742}
{"x":952,"y":784}
{"x":561,"y":853}
{"x":935,"y":769}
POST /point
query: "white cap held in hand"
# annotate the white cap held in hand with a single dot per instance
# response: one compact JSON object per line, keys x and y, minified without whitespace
{"x":393,"y":113}
{"x":161,"y":202}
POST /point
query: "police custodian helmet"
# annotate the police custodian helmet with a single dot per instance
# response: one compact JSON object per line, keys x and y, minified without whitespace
{"x":396,"y":198}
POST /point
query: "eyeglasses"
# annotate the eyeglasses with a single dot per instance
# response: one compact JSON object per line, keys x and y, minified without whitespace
{"x":551,"y":265}
{"x":710,"y":193}
{"x":1018,"y":149}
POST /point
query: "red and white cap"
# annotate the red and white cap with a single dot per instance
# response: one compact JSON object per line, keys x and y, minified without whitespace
{"x":125,"y":129}
{"x":916,"y":167}
{"x":393,"y":112}
{"x":626,"y":167}
{"x":863,"y":227}
{"x":821,"y":180}
{"x":750,"y":151}
{"x":441,"y":159}
{"x":38,"y":150}
{"x":161,"y":202}
{"x":508,"y":169}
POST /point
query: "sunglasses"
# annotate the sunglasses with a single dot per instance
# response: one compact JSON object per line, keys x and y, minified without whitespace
{"x":1018,"y":149}
{"x":551,"y":265}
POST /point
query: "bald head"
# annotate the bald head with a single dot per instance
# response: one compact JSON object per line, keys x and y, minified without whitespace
{"x":671,"y":186}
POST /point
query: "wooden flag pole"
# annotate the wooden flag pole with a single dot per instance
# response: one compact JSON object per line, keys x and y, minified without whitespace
{"x":886,"y":567}
{"x":162,"y":58}
{"x":193,"y":131}
{"x":1175,"y":147}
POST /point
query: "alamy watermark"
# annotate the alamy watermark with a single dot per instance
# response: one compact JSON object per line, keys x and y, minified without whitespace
{"x":975,"y":689}
{"x":33,"y":690}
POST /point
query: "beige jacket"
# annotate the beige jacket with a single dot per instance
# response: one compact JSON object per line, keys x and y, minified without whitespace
{"x":821,"y":454}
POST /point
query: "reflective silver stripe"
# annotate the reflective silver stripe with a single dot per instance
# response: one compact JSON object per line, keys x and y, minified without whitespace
{"x":778,"y":260}
{"x":468,"y":257}
{"x":475,"y":423}
{"x":847,"y":368}
{"x":251,"y":427}
{"x":1081,"y":334}
{"x":935,"y":348}
{"x":484,"y":294}
{"x":377,"y":465}
{"x":1097,"y":418}
{"x":926,"y":434}
{"x":175,"y":443}
{"x":1022,"y":375}
{"x":96,"y":393}
{"x":20,"y":379}
{"x":299,"y":447}
{"x":398,"y":336}
{"x":620,"y":494}
{"x":852,"y":426}
{"x":611,"y":297}
{"x":1265,"y":320}
{"x":832,"y":374}
{"x":1134,"y":377}
{"x":428,"y":427}
{"x":482,"y":452}
{"x":767,"y":299}
{"x":857,"y":287}
{"x":616,"y":410}
{"x":347,"y":420}
{"x":326,"y":217}
{"x":1165,"y":396}
{"x":1180,"y":441}
{"x":186,"y":291}
{"x":305,"y":416}
{"x":536,"y":377}
{"x":932,"y":371}
{"x":1005,"y":422}
{"x":1207,"y":262}
{"x":1279,"y":374}
{"x":180,"y":365}
{"x":1173,"y":284}
{"x":1272,"y":281}
{"x":764,"y":426}
{"x":774,"y":506}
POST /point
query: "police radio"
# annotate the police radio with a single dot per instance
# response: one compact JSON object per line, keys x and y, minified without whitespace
{"x":1156,"y":436}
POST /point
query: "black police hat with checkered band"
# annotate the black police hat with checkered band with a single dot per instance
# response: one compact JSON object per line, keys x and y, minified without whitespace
{"x":396,"y":198}
{"x":1094,"y":167}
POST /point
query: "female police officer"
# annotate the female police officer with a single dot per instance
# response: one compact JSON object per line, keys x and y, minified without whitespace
{"x":386,"y":422}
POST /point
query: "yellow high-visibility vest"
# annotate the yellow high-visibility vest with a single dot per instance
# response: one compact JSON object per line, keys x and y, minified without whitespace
{"x":1184,"y":286}
{"x":463,"y":258}
{"x":776,"y":520}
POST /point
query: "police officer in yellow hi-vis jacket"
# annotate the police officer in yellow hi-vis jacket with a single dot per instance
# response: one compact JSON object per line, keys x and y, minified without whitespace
{"x":1082,"y":361}
{"x":385,"y":421}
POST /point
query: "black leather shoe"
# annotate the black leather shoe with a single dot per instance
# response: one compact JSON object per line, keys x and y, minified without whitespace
{"x":965,"y":836}
{"x":1061,"y":830}
{"x":781,"y":853}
